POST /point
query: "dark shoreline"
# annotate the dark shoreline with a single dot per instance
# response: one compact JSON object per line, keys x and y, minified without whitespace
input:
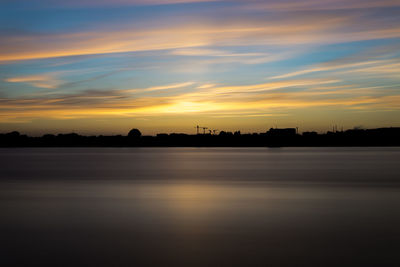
{"x":273,"y":138}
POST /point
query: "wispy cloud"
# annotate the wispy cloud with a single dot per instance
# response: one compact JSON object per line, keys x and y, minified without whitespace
{"x":271,"y":86}
{"x":49,"y":81}
{"x":306,"y":5}
{"x":330,"y":67}
{"x":213,"y":53}
{"x":191,"y":39}
{"x":158,"y":88}
{"x":102,"y":3}
{"x":253,"y":100}
{"x":207,"y":85}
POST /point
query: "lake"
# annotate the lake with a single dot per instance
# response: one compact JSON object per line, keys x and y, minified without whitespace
{"x":200,"y":207}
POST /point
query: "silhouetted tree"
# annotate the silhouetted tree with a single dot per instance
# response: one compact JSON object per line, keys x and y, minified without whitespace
{"x":134,"y":133}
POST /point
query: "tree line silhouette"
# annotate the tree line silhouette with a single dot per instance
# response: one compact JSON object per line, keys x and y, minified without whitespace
{"x":271,"y":138}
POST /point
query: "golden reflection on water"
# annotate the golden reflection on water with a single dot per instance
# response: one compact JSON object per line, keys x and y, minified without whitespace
{"x":210,"y":207}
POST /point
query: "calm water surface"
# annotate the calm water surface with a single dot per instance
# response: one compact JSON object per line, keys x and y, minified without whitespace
{"x":200,"y":207}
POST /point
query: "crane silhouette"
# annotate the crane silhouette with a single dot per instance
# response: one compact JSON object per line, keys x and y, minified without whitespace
{"x":200,"y":127}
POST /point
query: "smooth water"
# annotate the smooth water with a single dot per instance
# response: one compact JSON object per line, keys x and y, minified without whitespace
{"x":200,"y":207}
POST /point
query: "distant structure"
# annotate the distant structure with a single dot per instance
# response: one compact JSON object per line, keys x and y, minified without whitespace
{"x":201,"y":127}
{"x":286,"y":132}
{"x":274,"y":137}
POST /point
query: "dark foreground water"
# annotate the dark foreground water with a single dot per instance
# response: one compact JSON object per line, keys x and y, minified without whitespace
{"x":200,"y":207}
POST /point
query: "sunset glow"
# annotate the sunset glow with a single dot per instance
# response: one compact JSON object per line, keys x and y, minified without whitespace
{"x":103,"y":67}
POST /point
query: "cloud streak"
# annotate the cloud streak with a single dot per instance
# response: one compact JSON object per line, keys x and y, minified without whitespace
{"x":254,"y":99}
{"x":307,"y":5}
{"x":49,"y":81}
{"x":192,"y":38}
{"x":102,"y":3}
{"x":371,"y":65}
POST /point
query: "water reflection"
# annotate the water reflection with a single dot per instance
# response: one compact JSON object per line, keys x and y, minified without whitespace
{"x":176,"y":221}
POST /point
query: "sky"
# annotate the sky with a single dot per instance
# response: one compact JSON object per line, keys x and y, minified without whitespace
{"x":105,"y":67}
